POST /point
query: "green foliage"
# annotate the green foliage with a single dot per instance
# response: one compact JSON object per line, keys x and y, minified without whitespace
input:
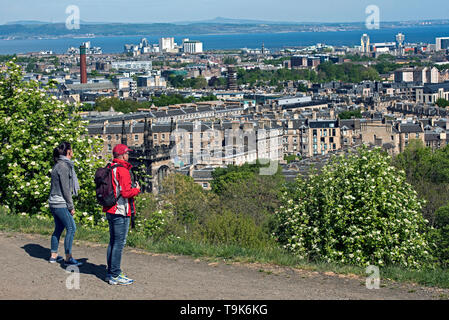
{"x":258,"y":77}
{"x":428,"y":172}
{"x":119,"y":105}
{"x":229,"y":60}
{"x":359,"y":210}
{"x":236,"y":174}
{"x":32,"y":124}
{"x":346,"y":72}
{"x":178,"y":81}
{"x":442,"y":103}
{"x":231,"y":229}
{"x":442,"y":67}
{"x":291,"y":158}
{"x":188,"y":201}
{"x":441,"y":234}
{"x":357,"y":114}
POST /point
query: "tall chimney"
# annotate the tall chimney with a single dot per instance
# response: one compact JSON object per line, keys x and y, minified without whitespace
{"x":83,"y":68}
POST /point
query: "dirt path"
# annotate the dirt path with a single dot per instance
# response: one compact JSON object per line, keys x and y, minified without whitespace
{"x":26,"y":274}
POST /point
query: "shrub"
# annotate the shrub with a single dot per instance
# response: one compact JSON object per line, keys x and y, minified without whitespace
{"x":359,"y":210}
{"x":231,"y":229}
{"x":441,"y":234}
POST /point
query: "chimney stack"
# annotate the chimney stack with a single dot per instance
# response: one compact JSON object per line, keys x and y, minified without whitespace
{"x":83,"y":66}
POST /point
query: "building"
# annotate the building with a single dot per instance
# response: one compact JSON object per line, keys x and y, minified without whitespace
{"x":144,"y":66}
{"x":419,"y":74}
{"x":430,"y":93}
{"x":298,"y":61}
{"x":167,"y":45}
{"x":442,"y":43}
{"x":83,"y":66}
{"x":151,"y":81}
{"x":232,"y":79}
{"x":192,"y":46}
{"x":400,"y":38}
{"x":365,"y":44}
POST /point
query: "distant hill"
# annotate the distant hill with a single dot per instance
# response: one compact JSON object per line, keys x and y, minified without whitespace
{"x":30,"y":29}
{"x":222,"y":20}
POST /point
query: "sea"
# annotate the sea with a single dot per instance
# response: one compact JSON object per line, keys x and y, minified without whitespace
{"x":273,"y":41}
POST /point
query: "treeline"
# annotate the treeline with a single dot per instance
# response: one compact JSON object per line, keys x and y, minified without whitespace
{"x":239,"y":210}
{"x":128,"y":106}
{"x":179,"y":81}
{"x":327,"y":71}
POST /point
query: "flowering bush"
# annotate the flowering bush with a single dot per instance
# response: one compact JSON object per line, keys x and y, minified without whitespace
{"x":32,"y":124}
{"x":359,"y":210}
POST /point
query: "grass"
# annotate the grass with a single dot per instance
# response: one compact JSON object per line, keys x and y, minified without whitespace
{"x":231,"y":253}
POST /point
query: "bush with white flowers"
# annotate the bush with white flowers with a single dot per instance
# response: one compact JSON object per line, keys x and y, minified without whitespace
{"x":32,"y":124}
{"x":358,"y":210}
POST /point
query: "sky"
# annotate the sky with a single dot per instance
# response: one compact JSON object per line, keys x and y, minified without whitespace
{"x":152,"y":11}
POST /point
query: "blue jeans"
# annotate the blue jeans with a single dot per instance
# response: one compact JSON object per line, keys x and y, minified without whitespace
{"x":118,"y":230}
{"x":63,"y":220}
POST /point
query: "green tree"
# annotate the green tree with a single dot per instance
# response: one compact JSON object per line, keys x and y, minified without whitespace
{"x":32,"y":124}
{"x":442,"y":103}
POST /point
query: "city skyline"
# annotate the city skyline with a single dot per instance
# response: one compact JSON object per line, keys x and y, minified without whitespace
{"x":141,"y":11}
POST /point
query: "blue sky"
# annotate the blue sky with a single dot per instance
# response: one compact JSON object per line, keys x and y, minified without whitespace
{"x":150,"y":11}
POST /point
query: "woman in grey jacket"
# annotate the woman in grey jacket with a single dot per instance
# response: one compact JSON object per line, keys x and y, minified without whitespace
{"x":64,"y":184}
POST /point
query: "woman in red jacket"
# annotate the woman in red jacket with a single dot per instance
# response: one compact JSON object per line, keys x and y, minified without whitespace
{"x":119,"y":215}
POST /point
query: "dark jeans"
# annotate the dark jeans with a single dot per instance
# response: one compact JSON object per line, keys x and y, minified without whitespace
{"x":118,"y":230}
{"x":63,"y":220}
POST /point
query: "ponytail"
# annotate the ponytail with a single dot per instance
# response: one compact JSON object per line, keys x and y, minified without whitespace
{"x":61,"y":150}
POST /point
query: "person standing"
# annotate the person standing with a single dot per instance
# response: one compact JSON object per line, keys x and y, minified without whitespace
{"x":64,"y":184}
{"x":120,"y":214}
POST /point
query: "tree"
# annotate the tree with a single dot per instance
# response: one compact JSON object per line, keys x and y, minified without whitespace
{"x":188,"y":200}
{"x":442,"y":103}
{"x":32,"y":124}
{"x":357,"y":114}
{"x":359,"y":210}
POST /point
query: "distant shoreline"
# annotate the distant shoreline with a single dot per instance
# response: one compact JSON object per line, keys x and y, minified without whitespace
{"x":227,"y":40}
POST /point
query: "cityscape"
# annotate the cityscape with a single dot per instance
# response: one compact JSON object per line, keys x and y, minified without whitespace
{"x":402,"y":98}
{"x":285,"y":159}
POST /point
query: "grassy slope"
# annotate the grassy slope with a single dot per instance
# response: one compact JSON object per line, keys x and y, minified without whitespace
{"x":277,"y":256}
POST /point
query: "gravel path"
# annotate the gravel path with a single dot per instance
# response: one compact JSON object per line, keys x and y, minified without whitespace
{"x":26,"y":274}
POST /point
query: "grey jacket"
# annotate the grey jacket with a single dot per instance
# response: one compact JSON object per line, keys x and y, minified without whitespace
{"x":61,"y":186}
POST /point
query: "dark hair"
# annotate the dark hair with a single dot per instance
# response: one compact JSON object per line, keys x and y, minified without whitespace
{"x":61,"y":150}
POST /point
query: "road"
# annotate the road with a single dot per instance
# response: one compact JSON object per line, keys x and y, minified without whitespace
{"x":26,"y":274}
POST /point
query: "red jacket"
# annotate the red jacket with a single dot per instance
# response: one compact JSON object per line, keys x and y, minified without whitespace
{"x":121,"y":182}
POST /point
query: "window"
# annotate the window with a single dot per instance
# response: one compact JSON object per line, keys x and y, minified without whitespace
{"x":116,"y":137}
{"x":136,"y":137}
{"x":205,"y":185}
{"x":417,"y":135}
{"x":109,"y":147}
{"x":163,"y":136}
{"x":155,"y":136}
{"x":109,"y":137}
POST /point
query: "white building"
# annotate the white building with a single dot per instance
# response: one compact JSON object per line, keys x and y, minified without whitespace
{"x":132,"y":65}
{"x":167,"y":45}
{"x":441,"y":43}
{"x":192,"y":46}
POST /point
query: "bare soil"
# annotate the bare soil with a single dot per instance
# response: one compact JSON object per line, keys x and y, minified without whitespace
{"x":27,"y":274}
